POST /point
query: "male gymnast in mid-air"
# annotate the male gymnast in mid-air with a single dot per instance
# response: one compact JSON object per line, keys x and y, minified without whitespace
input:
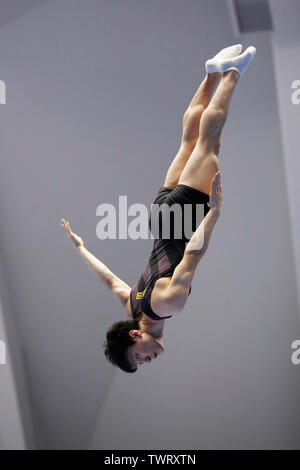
{"x":192,"y":179}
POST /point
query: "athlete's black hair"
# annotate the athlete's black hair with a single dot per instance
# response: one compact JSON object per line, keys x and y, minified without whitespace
{"x":117,"y":342}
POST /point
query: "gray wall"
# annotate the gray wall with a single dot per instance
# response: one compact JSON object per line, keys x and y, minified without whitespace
{"x":285,"y":46}
{"x":93,"y":111}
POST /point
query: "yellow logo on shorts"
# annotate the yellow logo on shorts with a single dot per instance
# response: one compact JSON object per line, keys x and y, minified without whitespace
{"x":140,"y":295}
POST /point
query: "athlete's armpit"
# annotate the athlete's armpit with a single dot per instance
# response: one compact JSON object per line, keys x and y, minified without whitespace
{"x":176,"y":297}
{"x":120,"y":289}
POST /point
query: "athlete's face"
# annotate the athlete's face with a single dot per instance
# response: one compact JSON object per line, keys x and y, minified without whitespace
{"x":145,"y":349}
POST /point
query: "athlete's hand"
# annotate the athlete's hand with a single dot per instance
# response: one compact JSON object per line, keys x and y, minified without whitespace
{"x":73,"y":237}
{"x":216,"y":195}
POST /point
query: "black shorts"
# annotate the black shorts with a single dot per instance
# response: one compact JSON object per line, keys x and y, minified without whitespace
{"x":189,"y":206}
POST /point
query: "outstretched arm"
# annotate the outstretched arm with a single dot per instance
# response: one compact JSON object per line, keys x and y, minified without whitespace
{"x":197,"y":246}
{"x":199,"y":241}
{"x":119,"y":288}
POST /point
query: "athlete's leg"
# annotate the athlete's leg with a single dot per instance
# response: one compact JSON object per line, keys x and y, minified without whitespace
{"x":190,"y":124}
{"x":203,"y":162}
{"x":194,"y":112}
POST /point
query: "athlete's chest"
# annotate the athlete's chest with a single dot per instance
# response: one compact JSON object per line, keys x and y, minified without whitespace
{"x":155,"y":297}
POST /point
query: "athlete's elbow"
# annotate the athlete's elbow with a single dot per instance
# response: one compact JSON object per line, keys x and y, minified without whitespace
{"x":196,"y":252}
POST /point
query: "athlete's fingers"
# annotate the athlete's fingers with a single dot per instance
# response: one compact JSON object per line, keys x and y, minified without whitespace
{"x":67,"y":228}
{"x":65,"y":224}
{"x":216,"y":181}
{"x":219,"y":181}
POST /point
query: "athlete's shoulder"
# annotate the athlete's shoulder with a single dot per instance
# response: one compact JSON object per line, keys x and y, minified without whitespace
{"x":160,"y":301}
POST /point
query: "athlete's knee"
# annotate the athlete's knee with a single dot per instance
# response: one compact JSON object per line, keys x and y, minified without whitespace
{"x":212,"y":121}
{"x":190,"y":124}
{"x":192,"y":113}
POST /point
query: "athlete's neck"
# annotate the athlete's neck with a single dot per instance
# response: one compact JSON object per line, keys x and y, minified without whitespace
{"x":154,"y":328}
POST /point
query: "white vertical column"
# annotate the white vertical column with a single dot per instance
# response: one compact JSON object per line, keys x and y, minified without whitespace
{"x":11,"y":427}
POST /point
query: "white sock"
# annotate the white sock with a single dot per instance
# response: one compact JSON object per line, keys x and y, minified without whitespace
{"x":240,"y":62}
{"x":214,"y":64}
